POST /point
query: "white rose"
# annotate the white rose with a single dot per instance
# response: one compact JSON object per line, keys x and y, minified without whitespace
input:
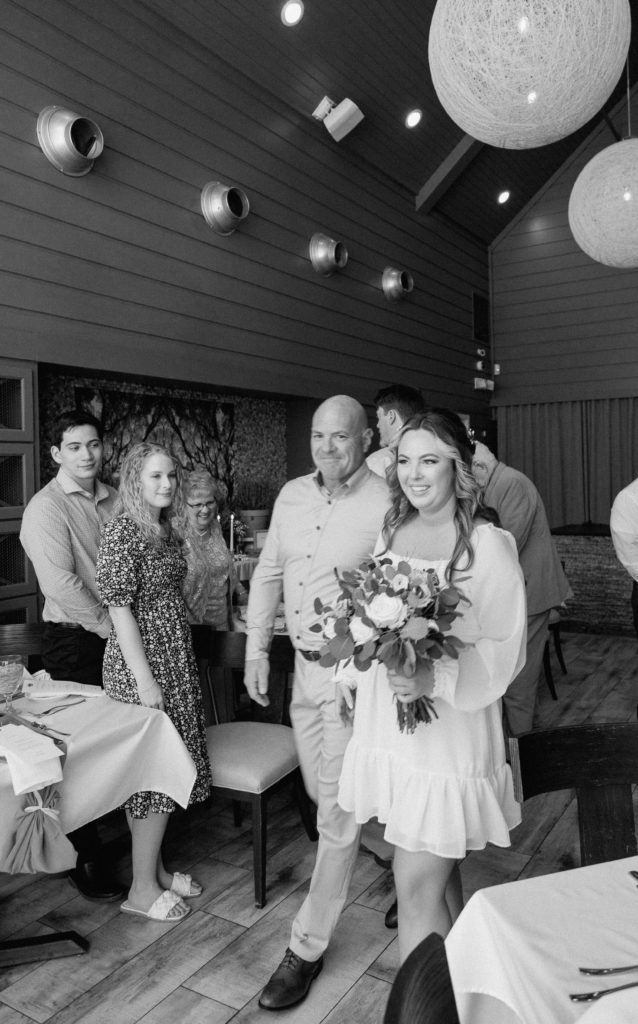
{"x":386,"y":611}
{"x":360,"y":632}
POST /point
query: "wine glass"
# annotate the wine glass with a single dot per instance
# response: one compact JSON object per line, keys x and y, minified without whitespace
{"x":11,"y":671}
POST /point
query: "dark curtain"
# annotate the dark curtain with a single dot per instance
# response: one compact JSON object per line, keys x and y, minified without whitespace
{"x":579,"y":454}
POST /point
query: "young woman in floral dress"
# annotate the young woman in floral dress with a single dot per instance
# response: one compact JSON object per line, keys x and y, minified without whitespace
{"x":149,"y":658}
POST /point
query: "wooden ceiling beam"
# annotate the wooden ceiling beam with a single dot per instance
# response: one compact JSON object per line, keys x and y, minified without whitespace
{"x":447,"y":173}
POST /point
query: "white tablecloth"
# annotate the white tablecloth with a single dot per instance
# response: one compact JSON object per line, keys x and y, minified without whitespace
{"x":114,"y":750}
{"x":515,"y":951}
{"x":245,"y":566}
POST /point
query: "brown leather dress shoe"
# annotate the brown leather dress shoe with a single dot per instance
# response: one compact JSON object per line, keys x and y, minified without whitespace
{"x":291,"y":982}
{"x":392,"y":916}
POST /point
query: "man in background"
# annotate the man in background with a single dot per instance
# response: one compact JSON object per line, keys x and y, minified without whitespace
{"x":394,"y":404}
{"x":61,"y":533}
{"x":330,"y":518}
{"x":521,"y":511}
{"x":623,"y":523}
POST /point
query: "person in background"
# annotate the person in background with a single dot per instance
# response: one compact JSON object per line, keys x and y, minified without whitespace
{"x":623,"y":524}
{"x":328,"y":519}
{"x":444,"y":788}
{"x":60,"y":533}
{"x":149,"y":658}
{"x":520,"y":510}
{"x":394,"y":404}
{"x":211,"y":581}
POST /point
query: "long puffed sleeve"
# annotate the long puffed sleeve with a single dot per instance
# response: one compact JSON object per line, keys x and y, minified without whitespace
{"x":493,"y":626}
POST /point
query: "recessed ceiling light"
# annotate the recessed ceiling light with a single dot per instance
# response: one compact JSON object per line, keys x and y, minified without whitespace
{"x":292,"y":12}
{"x":413,"y":117}
{"x":503,"y":196}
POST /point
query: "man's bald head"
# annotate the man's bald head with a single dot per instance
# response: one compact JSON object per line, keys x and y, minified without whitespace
{"x":339,"y":439}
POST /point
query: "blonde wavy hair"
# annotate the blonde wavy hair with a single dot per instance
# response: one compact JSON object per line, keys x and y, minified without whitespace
{"x":450,"y":431}
{"x":130,"y":499}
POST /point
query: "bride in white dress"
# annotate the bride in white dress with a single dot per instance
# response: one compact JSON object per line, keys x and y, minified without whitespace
{"x":445,"y":788}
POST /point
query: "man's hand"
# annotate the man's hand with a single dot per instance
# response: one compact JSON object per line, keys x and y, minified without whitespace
{"x":256,"y":672}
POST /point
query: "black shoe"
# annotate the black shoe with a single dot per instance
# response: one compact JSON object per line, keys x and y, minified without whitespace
{"x":291,"y":982}
{"x":392,"y":916}
{"x":95,"y":883}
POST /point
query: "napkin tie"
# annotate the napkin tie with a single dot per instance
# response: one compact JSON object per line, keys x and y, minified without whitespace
{"x":50,"y":812}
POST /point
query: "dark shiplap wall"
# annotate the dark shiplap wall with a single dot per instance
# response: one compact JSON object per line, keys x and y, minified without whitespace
{"x":565,"y":326}
{"x":117,"y":270}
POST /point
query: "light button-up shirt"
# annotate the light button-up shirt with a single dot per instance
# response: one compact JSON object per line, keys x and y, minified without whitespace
{"x":312,"y":533}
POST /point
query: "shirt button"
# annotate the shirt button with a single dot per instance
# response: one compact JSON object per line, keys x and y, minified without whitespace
{"x":297,"y":637}
{"x":318,"y":527}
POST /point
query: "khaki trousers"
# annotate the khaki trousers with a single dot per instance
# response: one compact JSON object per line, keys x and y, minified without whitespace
{"x":321,"y":738}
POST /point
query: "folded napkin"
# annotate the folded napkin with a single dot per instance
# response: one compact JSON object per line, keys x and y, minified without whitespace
{"x":41,"y":687}
{"x":33,"y":760}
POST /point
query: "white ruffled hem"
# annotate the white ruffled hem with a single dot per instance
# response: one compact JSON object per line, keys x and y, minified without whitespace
{"x":422,"y":811}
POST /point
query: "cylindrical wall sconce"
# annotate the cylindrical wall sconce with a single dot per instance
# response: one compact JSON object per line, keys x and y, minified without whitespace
{"x":224,"y":207}
{"x":70,"y":142}
{"x":326,"y":255}
{"x":396,"y":283}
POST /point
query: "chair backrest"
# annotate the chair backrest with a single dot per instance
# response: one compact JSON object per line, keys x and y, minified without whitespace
{"x":601,"y":763}
{"x":23,"y":638}
{"x":227,"y":650}
{"x":422,"y":991}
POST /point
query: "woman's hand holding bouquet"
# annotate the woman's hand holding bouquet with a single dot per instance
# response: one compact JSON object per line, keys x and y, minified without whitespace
{"x":396,"y":615}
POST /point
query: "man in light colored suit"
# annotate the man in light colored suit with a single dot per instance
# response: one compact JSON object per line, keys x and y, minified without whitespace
{"x":521,"y":511}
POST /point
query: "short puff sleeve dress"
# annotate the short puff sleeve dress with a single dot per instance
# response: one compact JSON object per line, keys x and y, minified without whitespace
{"x":446,"y":788}
{"x":133,"y":571}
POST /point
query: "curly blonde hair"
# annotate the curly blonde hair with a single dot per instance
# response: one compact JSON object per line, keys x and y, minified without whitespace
{"x":451,"y":432}
{"x":130,"y":499}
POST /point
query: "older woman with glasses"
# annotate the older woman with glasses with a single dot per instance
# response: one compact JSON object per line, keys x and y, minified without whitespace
{"x":211,"y":581}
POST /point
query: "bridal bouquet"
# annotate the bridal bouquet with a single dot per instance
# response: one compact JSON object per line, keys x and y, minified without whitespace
{"x":394,"y":614}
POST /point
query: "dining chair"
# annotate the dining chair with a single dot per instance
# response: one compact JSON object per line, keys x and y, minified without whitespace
{"x":422,"y":990}
{"x":554,"y":631}
{"x":600,"y":762}
{"x":251,"y":760}
{"x":23,"y":638}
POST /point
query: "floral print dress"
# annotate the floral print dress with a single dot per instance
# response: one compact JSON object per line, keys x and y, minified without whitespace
{"x":133,"y":571}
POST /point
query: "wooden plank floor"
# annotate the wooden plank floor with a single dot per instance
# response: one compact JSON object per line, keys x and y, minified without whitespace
{"x":210,"y":968}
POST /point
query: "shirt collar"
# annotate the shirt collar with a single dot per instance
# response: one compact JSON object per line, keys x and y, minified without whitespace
{"x":69,"y":486}
{"x":351,"y":484}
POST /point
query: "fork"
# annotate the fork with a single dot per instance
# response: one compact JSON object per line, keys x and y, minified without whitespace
{"x":589,"y":997}
{"x":608,"y":970}
{"x":56,"y":708}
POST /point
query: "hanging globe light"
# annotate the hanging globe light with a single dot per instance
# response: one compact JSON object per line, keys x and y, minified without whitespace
{"x":603,"y":206}
{"x":524,"y":73}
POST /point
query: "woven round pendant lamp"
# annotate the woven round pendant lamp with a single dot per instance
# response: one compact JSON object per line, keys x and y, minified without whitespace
{"x":603,"y":206}
{"x":524,"y":73}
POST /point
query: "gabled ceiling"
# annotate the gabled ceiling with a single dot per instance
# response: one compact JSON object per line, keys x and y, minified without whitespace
{"x":375,"y":53}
